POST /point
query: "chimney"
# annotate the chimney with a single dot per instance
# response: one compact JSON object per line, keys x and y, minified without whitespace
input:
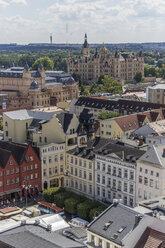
{"x":122,"y":155}
{"x":49,"y":228}
{"x":77,"y":149}
{"x":138,"y":217}
{"x":91,"y":153}
{"x":163,"y":155}
{"x":84,"y":152}
{"x":37,"y":222}
{"x":115,"y":202}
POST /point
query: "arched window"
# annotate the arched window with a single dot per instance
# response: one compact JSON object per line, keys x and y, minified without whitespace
{"x":45,"y":139}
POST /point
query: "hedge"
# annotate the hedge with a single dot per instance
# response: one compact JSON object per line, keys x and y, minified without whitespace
{"x":73,"y":203}
{"x":48,"y":194}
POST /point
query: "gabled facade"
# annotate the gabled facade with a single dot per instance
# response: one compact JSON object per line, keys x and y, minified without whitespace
{"x":126,"y":125}
{"x":20,"y":166}
{"x":41,"y":128}
{"x":150,"y":174}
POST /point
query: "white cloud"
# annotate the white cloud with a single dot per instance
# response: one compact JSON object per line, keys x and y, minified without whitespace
{"x":3,"y":3}
{"x":19,"y":2}
{"x":103,"y":20}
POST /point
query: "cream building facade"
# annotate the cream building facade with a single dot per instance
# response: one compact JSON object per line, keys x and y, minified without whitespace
{"x":41,"y":128}
{"x":53,"y":165}
{"x":120,"y":65}
{"x":81,"y":171}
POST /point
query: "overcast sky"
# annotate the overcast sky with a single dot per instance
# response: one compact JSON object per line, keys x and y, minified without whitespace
{"x":109,"y":21}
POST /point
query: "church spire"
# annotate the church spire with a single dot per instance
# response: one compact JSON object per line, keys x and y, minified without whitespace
{"x":85,"y":47}
{"x":85,"y":41}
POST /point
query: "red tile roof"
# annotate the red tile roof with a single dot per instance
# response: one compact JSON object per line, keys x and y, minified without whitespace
{"x":151,"y":239}
{"x":134,"y":121}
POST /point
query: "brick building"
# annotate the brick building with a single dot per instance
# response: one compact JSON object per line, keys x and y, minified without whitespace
{"x":20,"y":166}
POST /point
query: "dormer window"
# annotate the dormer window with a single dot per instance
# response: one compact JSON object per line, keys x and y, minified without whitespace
{"x":11,"y":162}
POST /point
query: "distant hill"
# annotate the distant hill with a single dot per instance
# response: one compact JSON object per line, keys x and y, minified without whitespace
{"x":126,"y":46}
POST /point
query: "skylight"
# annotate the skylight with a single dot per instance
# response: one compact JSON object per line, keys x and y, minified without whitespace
{"x":121,"y":229}
{"x":106,"y":225}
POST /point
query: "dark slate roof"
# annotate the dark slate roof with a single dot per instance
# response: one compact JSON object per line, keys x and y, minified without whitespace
{"x":34,"y":85}
{"x":65,"y":120}
{"x":83,"y":152}
{"x":129,"y":154}
{"x":26,"y":67}
{"x":40,"y":66}
{"x":106,"y":148}
{"x":17,"y":72}
{"x":58,"y":77}
{"x":4,"y":156}
{"x":121,"y":104}
{"x":40,"y":115}
{"x":17,"y":150}
{"x":36,"y":237}
{"x":118,"y":215}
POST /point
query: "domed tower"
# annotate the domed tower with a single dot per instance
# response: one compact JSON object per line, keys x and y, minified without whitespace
{"x":26,"y":72}
{"x":34,"y":92}
{"x":103,"y":51}
{"x":85,"y":47}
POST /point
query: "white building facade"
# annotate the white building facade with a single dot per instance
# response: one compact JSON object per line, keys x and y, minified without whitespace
{"x":150,"y":176}
{"x":115,"y":179}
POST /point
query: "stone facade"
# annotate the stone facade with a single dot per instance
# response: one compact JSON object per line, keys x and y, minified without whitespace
{"x":156,"y":94}
{"x":27,"y":88}
{"x":120,"y":65}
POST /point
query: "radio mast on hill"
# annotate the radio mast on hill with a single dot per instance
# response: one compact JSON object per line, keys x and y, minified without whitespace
{"x":51,"y":38}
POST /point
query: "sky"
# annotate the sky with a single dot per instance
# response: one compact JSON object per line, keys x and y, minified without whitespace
{"x":109,"y":21}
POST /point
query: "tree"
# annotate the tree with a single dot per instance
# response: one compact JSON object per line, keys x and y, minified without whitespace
{"x":84,"y":91}
{"x":26,"y":58}
{"x":138,"y":77}
{"x":45,"y":61}
{"x":107,"y":115}
{"x":94,"y":212}
{"x":150,"y":71}
{"x":162,"y":71}
{"x":71,"y":205}
{"x":77,"y":77}
{"x":93,"y":88}
{"x":110,"y":85}
{"x":48,"y":194}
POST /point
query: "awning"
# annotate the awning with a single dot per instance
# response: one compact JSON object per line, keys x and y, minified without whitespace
{"x":12,"y":191}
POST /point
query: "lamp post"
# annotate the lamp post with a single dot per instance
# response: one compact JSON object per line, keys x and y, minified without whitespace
{"x":26,"y":185}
